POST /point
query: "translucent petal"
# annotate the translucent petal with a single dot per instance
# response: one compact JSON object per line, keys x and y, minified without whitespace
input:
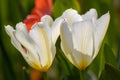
{"x":56,"y":29}
{"x":66,"y":41}
{"x":23,"y":37}
{"x":90,"y":15}
{"x":71,"y":16}
{"x":100,"y":30}
{"x":10,"y":31}
{"x":81,"y":60}
{"x":82,"y":33}
{"x":41,"y":34}
{"x":47,"y":20}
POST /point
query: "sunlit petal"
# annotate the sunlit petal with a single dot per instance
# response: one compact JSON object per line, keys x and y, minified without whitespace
{"x":56,"y":29}
{"x":23,"y":37}
{"x":100,"y":30}
{"x":90,"y":15}
{"x":47,"y":19}
{"x":72,"y":16}
{"x":18,"y":46}
{"x":80,"y":59}
{"x":66,"y":41}
{"x":42,"y":40}
{"x":82,"y":33}
{"x":10,"y":31}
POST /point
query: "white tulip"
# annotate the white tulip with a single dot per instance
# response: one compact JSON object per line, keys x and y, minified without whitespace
{"x":37,"y":46}
{"x":82,"y":36}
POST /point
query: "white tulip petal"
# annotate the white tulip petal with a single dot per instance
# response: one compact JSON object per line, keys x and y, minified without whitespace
{"x":10,"y":31}
{"x":41,"y":34}
{"x":66,"y":41}
{"x":90,"y":15}
{"x":67,"y":54}
{"x":81,"y":60}
{"x":53,"y":50}
{"x":49,"y":35}
{"x":46,"y":28}
{"x":100,"y":30}
{"x":82,"y":33}
{"x":71,"y":16}
{"x":53,"y":32}
{"x":47,"y":20}
{"x":56,"y":29}
{"x":23,"y":37}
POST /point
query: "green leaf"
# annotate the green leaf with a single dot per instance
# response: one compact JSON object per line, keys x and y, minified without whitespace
{"x":109,"y":56}
{"x":110,"y":73}
{"x":61,"y":5}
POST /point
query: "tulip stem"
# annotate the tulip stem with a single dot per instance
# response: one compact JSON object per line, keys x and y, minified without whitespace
{"x":45,"y":77}
{"x":82,"y":75}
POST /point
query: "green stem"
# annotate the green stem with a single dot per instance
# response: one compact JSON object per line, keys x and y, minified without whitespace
{"x":45,"y":77}
{"x":82,"y":75}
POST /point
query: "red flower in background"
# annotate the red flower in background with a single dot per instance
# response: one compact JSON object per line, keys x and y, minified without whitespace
{"x":42,"y":7}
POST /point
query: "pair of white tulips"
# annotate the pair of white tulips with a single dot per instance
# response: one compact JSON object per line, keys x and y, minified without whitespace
{"x":81,"y":38}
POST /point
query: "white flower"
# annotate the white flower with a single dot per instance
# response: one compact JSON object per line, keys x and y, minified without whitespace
{"x":82,"y":35}
{"x":37,"y":46}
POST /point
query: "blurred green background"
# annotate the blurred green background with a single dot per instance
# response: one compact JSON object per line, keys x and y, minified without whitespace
{"x":12,"y":63}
